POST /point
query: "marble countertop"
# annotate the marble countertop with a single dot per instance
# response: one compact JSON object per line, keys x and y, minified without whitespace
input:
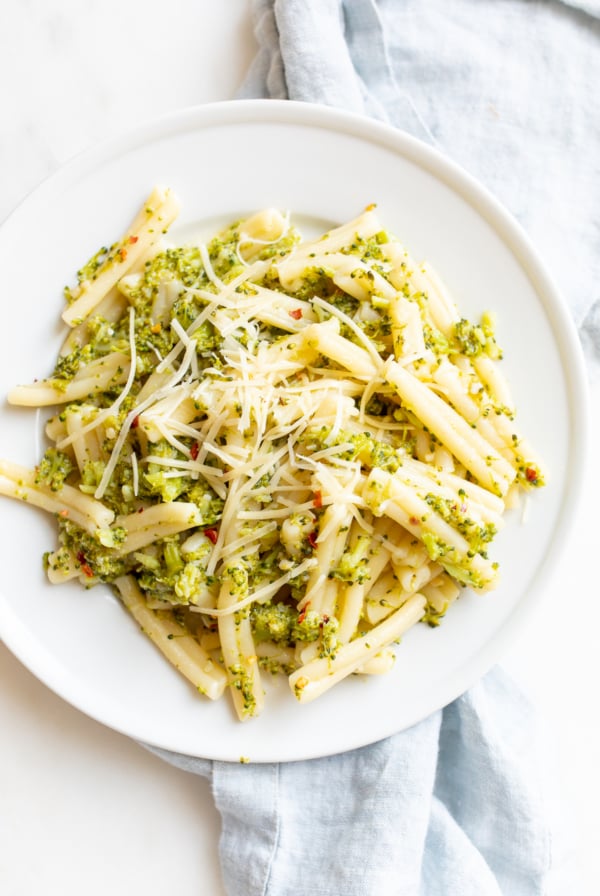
{"x":83,"y":809}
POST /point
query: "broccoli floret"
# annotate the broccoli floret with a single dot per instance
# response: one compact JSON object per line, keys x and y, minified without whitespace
{"x":283,"y":624}
{"x":207,"y":502}
{"x":155,"y":482}
{"x":435,"y":340}
{"x":477,"y":339}
{"x":54,"y":469}
{"x":238,"y":579}
{"x":119,"y":494}
{"x":175,"y":571}
{"x":206,"y":337}
{"x":172,"y":557}
{"x":67,"y":365}
{"x":478,"y":535}
{"x":181,"y":263}
{"x":369,"y":248}
{"x":369,"y":451}
{"x":169,"y":488}
{"x":329,"y":639}
{"x":91,"y":476}
{"x":308,"y":626}
{"x":189,"y":583}
{"x":273,"y":622}
{"x":459,"y":567}
{"x":98,"y":559}
{"x":354,"y":563}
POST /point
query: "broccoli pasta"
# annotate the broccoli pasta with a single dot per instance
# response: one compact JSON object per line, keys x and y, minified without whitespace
{"x":281,"y":453}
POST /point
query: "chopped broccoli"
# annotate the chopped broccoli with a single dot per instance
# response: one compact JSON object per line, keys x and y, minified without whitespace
{"x":169,"y":488}
{"x":189,"y":583}
{"x":478,"y":535}
{"x":273,"y":622}
{"x":89,"y":270}
{"x":369,"y":451}
{"x":473,"y":340}
{"x":67,"y":365}
{"x":435,"y":340}
{"x":54,"y":469}
{"x":283,"y":624}
{"x":207,"y":502}
{"x":172,"y":556}
{"x":354,"y":563}
{"x":434,"y":617}
{"x":90,"y":552}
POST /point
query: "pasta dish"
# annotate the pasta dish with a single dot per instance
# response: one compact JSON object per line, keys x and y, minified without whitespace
{"x":281,"y":453}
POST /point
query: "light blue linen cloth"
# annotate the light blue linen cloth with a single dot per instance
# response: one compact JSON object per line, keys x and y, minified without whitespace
{"x":461,"y":804}
{"x":455,"y":806}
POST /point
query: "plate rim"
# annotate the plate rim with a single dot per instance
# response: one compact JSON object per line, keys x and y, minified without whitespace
{"x":506,"y":228}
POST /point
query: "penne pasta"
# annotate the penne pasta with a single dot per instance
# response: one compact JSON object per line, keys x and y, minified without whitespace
{"x":319,"y":675}
{"x":181,"y":649}
{"x":158,"y":213}
{"x":281,"y":454}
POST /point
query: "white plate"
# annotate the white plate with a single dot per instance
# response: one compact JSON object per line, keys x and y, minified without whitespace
{"x":225,"y":160}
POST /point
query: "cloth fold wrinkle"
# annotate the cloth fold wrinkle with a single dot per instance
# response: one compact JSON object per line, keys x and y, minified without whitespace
{"x":458,"y":805}
{"x":313,"y":44}
{"x":488,"y":753}
{"x":247,"y":851}
{"x":346,"y":820}
{"x":369,"y":50}
{"x":265,"y":78}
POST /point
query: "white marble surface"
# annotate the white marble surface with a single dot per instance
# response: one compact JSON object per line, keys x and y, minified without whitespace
{"x":82,"y":809}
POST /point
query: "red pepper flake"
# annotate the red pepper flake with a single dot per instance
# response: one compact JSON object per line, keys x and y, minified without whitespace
{"x":133,"y":239}
{"x":135,"y":422}
{"x":318,"y":499}
{"x":140,"y":510}
{"x":413,"y":521}
{"x":195,"y":451}
{"x":63,"y":513}
{"x":122,"y":253}
{"x":531,"y":474}
{"x":212,"y":535}
{"x":303,"y":613}
{"x":312,"y":539}
{"x":296,"y":313}
{"x":85,"y":566}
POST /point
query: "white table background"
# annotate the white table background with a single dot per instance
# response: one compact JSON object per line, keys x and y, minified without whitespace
{"x":83,"y":809}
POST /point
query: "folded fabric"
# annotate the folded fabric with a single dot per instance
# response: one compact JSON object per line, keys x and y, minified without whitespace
{"x":461,"y":804}
{"x":455,"y":806}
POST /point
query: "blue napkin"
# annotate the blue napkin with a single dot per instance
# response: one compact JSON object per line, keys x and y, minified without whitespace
{"x":462,"y":803}
{"x":455,"y":806}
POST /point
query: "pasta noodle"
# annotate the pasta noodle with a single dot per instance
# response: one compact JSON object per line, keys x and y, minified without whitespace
{"x":282,"y":454}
